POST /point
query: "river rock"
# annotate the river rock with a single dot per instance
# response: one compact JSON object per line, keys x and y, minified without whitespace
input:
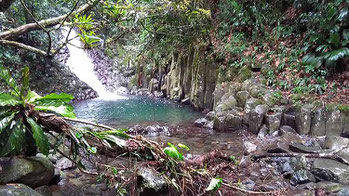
{"x":301,"y":148}
{"x":334,"y":123}
{"x":302,"y":177}
{"x":256,"y":118}
{"x":330,"y":170}
{"x":228,"y":122}
{"x":210,"y":116}
{"x":303,"y":119}
{"x":151,"y":182}
{"x":335,"y":142}
{"x":318,"y":122}
{"x":273,"y":121}
{"x":201,"y":122}
{"x":44,"y":190}
{"x":17,"y":190}
{"x":218,"y":94}
{"x":242,"y":97}
{"x":32,"y":171}
{"x":343,"y":192}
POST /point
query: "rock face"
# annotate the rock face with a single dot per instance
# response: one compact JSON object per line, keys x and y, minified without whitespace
{"x":188,"y":75}
{"x":17,"y":190}
{"x":331,"y":170}
{"x":256,"y":118}
{"x":334,"y":123}
{"x":32,"y":171}
{"x":151,"y":182}
{"x":303,"y":119}
{"x":318,"y":122}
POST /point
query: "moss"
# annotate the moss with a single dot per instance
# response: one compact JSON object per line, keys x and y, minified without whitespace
{"x":296,"y":98}
{"x":245,"y":73}
{"x":344,"y":109}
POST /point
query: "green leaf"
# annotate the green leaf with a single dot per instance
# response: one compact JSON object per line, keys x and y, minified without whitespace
{"x":336,"y":54}
{"x":312,"y":60}
{"x":9,"y":100}
{"x":56,"y":106}
{"x":32,"y":96}
{"x":6,"y":76}
{"x":40,"y":138}
{"x":335,"y":39}
{"x":183,"y":146}
{"x":119,"y":133}
{"x":6,"y":121}
{"x":63,"y":97}
{"x":25,"y":81}
{"x":92,"y":150}
{"x":172,"y":151}
{"x":15,"y":140}
{"x":215,"y":184}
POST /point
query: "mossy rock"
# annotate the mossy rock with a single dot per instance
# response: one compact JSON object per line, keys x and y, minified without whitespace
{"x":245,"y":73}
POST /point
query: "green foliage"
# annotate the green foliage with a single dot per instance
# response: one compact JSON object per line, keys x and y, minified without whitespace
{"x":89,"y":39}
{"x":173,"y":152}
{"x":19,"y":117}
{"x":215,"y":184}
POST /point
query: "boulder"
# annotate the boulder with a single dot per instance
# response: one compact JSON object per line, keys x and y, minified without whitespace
{"x":231,"y":121}
{"x":210,"y":116}
{"x":269,"y":99}
{"x":32,"y":171}
{"x":303,"y":119}
{"x":334,"y":123}
{"x":301,"y":148}
{"x":17,"y":190}
{"x":335,"y":142}
{"x":302,"y":177}
{"x":256,"y":118}
{"x":330,"y":170}
{"x":318,"y":122}
{"x":345,"y":125}
{"x":288,"y":129}
{"x":251,"y":104}
{"x":151,"y":182}
{"x":273,"y":121}
{"x":201,"y":122}
{"x":228,"y":102}
{"x":241,"y":98}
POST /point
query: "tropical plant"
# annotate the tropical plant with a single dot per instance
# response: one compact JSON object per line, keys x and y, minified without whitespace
{"x":19,"y":114}
{"x":90,"y":39}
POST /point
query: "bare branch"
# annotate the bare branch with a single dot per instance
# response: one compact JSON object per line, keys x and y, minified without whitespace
{"x":23,"y":46}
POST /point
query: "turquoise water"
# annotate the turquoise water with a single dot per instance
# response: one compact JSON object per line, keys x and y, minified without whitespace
{"x":135,"y":110}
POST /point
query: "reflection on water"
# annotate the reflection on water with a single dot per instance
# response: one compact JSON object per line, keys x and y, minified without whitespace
{"x":135,"y":110}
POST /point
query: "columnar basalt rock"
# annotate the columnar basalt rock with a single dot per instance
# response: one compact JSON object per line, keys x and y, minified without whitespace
{"x":303,"y":119}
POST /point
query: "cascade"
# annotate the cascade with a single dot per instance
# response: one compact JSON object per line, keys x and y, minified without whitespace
{"x":81,"y":65}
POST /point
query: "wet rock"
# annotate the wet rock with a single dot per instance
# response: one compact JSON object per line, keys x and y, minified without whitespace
{"x":201,"y":122}
{"x":256,"y":118}
{"x":334,"y":123}
{"x":318,"y":122}
{"x":151,"y":182}
{"x":242,"y":97}
{"x":330,"y":170}
{"x":303,"y":119}
{"x":32,"y":171}
{"x":209,"y":125}
{"x":273,"y":121}
{"x":301,"y":148}
{"x":302,"y":177}
{"x":18,"y":190}
{"x":335,"y":142}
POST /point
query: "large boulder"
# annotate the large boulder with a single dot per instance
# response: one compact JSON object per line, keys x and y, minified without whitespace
{"x":251,"y":104}
{"x":256,"y":118}
{"x":303,"y":119}
{"x":32,"y":171}
{"x":334,"y":123}
{"x":228,"y":102}
{"x":17,"y":190}
{"x":242,"y":97}
{"x":318,"y":122}
{"x":331,"y":170}
{"x":151,"y":182}
{"x":273,"y":121}
{"x":231,"y":121}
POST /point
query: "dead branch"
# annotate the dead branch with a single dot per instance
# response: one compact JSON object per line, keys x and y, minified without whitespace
{"x":23,"y":46}
{"x":312,"y":156}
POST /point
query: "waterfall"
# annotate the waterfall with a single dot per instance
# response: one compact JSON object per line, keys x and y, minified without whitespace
{"x":81,"y":65}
